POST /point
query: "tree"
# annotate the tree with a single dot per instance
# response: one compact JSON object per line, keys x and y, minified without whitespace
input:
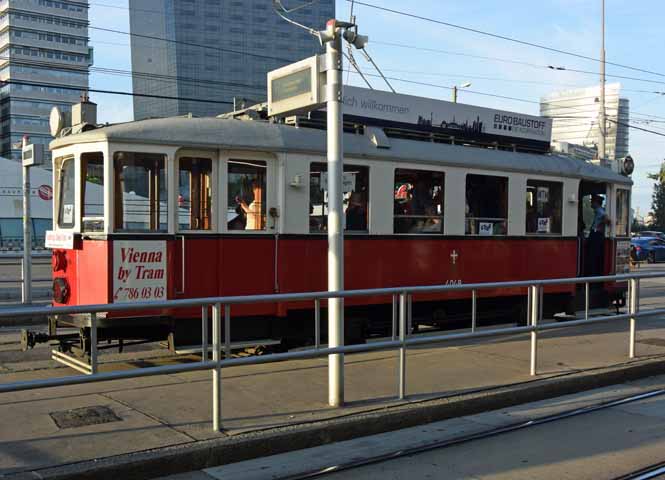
{"x":658,"y":199}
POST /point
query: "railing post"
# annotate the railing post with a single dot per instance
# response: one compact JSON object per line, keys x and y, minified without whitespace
{"x":633,"y":308}
{"x":473,"y":310}
{"x":317,"y":323}
{"x":403,"y":323}
{"x":204,"y":333}
{"x":93,"y":343}
{"x":535,"y":314}
{"x":227,"y":331}
{"x":217,"y":371}
{"x":586,"y":301}
{"x":409,"y":316}
{"x":395,"y":316}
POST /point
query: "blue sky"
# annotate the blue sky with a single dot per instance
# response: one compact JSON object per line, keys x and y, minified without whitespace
{"x":634,"y":36}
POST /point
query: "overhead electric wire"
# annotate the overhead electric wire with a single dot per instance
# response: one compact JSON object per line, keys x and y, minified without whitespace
{"x":192,"y":44}
{"x":516,"y":62}
{"x":504,"y":37}
{"x":111,"y":92}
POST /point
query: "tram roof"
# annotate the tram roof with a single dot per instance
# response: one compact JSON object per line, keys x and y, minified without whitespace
{"x":263,"y":136}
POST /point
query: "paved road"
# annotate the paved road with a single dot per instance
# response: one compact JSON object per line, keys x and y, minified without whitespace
{"x":603,"y":444}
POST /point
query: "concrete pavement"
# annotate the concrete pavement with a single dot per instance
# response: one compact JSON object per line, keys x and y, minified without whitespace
{"x":163,"y":424}
{"x":602,"y":444}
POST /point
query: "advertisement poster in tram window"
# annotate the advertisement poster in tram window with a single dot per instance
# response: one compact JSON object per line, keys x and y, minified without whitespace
{"x":139,"y":271}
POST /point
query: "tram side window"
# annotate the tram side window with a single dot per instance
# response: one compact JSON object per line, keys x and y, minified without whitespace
{"x":356,"y":197}
{"x":141,"y":195}
{"x":247,"y":195}
{"x":66,"y":194}
{"x":543,"y":207}
{"x":92,"y":169}
{"x":623,"y":207}
{"x":418,"y":201}
{"x":486,"y":205}
{"x":194,"y":193}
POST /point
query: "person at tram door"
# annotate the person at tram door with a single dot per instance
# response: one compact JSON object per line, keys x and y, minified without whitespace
{"x":253,"y":210}
{"x":596,"y":241}
{"x":356,"y":216}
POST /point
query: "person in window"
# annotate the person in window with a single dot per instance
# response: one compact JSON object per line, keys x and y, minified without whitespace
{"x":596,"y":240}
{"x":432,"y":223}
{"x":253,"y":211}
{"x":356,"y":215}
{"x":422,"y":198}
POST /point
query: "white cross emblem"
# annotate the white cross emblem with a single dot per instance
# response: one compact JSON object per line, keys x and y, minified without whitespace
{"x":453,"y":256}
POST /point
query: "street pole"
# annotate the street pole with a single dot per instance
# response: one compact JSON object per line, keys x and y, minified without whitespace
{"x":26,"y":266}
{"x":601,"y":118}
{"x":454,"y":93}
{"x":334,"y":91}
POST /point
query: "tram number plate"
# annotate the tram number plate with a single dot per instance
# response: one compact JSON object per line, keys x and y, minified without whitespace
{"x":139,"y":271}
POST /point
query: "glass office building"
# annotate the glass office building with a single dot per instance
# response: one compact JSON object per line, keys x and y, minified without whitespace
{"x":215,"y":50}
{"x":44,"y":45}
{"x":574,"y":116}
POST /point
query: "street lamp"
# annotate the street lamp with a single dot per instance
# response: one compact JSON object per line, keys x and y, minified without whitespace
{"x":455,"y":87}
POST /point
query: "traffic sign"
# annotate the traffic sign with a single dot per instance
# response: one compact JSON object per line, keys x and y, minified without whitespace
{"x":45,"y":192}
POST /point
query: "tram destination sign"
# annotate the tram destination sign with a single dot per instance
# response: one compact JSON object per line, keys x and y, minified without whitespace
{"x":296,"y":88}
{"x":467,"y":119}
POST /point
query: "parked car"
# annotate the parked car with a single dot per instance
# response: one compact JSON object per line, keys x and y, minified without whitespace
{"x":651,"y":249}
{"x":651,"y":233}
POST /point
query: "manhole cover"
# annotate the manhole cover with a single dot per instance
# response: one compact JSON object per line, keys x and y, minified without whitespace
{"x":82,"y":417}
{"x":658,"y":342}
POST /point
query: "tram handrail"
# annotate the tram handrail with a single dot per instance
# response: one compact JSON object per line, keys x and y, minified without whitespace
{"x":221,"y":318}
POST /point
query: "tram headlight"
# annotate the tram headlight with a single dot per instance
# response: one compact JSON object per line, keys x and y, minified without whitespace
{"x":60,"y":290}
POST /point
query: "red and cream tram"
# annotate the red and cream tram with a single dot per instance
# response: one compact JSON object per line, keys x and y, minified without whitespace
{"x":203,"y":207}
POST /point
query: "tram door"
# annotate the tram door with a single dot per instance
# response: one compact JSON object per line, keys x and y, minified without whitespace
{"x":590,"y":256}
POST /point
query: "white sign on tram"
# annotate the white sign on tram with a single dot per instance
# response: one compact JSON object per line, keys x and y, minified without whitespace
{"x":139,"y":271}
{"x":59,"y":239}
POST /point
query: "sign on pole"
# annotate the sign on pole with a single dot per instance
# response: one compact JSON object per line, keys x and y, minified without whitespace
{"x":296,"y":88}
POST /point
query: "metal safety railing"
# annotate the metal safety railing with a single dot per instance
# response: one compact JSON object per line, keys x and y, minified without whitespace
{"x":400,"y":340}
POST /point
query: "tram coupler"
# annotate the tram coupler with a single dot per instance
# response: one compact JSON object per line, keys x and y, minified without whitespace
{"x":29,"y":338}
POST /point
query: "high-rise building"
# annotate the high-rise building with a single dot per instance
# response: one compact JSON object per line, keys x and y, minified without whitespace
{"x":575,"y":113}
{"x":215,"y":50}
{"x":43,"y":48}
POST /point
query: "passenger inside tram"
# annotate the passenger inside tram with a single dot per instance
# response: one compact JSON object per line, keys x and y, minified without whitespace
{"x":596,"y":239}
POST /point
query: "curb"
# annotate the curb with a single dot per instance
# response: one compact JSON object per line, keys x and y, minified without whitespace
{"x":209,"y":453}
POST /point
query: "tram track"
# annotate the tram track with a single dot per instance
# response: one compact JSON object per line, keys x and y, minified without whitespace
{"x":653,"y":471}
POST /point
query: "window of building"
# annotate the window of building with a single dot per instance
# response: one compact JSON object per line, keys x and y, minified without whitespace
{"x":141,"y":196}
{"x":194,"y":193}
{"x":356,"y":198}
{"x":418,"y":201}
{"x":623,"y":209}
{"x":66,"y":194}
{"x":544,"y":205}
{"x":247,"y":180}
{"x":486,"y":205}
{"x":92,"y":192}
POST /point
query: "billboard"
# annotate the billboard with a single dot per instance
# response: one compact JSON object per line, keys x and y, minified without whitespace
{"x":468,"y":119}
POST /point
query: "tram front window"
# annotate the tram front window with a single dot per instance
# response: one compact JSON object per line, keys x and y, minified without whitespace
{"x":623,"y":207}
{"x":141,"y":196}
{"x":194,"y":194}
{"x":66,"y":193}
{"x":486,"y":205}
{"x":92,"y":169}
